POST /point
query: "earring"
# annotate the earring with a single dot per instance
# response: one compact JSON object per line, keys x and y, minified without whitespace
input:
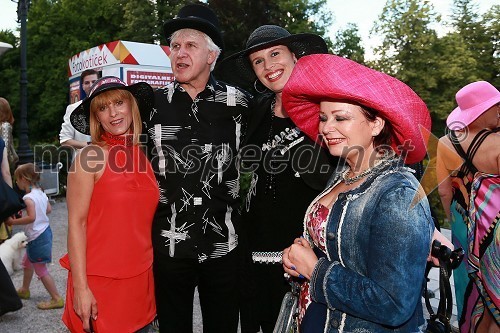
{"x":255,"y":86}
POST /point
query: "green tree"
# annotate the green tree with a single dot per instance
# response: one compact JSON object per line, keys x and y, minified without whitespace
{"x":479,"y":39}
{"x":51,"y":44}
{"x":10,"y":74}
{"x":59,"y":29}
{"x":407,"y":44}
{"x":238,"y":18}
{"x":411,"y":50}
{"x":492,"y":24}
{"x":451,"y":73}
{"x":137,"y":25}
{"x":166,"y":10}
{"x":348,"y":44}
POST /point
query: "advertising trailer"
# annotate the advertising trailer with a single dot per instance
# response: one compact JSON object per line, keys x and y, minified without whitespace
{"x":132,"y":62}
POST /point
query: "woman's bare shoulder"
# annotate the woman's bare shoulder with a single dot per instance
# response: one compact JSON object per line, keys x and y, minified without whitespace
{"x":91,"y":159}
{"x":487,"y":158}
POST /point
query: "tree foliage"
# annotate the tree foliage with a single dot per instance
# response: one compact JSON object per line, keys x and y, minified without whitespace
{"x":238,"y":18}
{"x":492,"y":23}
{"x":9,"y":73}
{"x":478,"y":37}
{"x":137,"y":25}
{"x":406,"y":50}
{"x":348,"y":44}
{"x":435,"y":66}
{"x":59,"y":29}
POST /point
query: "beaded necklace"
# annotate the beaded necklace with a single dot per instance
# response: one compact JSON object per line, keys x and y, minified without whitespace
{"x":378,"y":164}
{"x":270,"y":181}
{"x":126,"y":140}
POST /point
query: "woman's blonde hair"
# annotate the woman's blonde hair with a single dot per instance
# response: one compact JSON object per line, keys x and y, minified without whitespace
{"x":30,"y":172}
{"x":5,"y":112}
{"x":96,"y":130}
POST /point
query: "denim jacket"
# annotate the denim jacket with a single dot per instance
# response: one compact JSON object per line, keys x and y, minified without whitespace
{"x":378,"y":240}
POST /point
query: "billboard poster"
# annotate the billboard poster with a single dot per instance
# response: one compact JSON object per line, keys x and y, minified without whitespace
{"x":74,"y":91}
{"x":155,"y":79}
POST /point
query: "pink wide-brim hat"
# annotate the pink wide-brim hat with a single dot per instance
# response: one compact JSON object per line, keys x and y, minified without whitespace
{"x":325,"y":77}
{"x":473,"y":100}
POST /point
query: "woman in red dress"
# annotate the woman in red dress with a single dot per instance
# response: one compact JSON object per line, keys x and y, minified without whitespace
{"x":112,"y":197}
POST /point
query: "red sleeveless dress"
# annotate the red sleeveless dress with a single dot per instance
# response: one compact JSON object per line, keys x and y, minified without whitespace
{"x":119,"y":248}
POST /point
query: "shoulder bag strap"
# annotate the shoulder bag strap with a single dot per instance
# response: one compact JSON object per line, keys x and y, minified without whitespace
{"x":448,"y":260}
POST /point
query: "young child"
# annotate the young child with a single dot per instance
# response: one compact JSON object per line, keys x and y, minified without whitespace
{"x":37,"y":228}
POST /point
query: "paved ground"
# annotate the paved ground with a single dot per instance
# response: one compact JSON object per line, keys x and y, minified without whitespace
{"x":31,"y":320}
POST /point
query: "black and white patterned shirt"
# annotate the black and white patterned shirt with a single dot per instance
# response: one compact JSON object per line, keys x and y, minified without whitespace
{"x":193,"y":147}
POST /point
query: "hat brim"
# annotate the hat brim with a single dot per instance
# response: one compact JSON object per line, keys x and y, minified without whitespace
{"x":193,"y":23}
{"x":143,"y":93}
{"x":317,"y":78}
{"x":236,"y":69}
{"x":460,"y":118}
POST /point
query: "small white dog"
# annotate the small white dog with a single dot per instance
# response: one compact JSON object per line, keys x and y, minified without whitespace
{"x":11,"y":252}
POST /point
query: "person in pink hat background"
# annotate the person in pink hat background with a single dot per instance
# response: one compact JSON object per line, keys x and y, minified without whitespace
{"x":367,"y":236}
{"x":468,"y":158}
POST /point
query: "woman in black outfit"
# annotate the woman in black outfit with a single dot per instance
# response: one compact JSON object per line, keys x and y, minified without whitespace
{"x":283,"y":170}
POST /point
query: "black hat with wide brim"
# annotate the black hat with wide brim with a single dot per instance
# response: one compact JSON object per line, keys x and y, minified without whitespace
{"x":237,"y":69}
{"x":143,"y":93}
{"x":198,"y":17}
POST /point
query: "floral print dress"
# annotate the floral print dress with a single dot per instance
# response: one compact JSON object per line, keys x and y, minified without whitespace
{"x":316,"y":225}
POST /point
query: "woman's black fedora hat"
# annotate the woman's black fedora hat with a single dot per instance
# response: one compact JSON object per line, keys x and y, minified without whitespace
{"x":198,"y":17}
{"x":143,"y":93}
{"x":236,"y":69}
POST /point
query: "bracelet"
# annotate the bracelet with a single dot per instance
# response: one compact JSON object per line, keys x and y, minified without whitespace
{"x":267,"y":257}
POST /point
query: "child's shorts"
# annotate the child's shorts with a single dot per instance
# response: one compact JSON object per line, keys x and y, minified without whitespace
{"x":39,"y":250}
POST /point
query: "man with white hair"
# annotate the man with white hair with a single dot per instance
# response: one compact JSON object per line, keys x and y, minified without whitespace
{"x":194,"y":134}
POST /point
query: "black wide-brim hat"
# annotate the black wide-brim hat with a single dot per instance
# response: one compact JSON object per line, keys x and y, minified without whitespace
{"x":198,"y":17}
{"x":237,"y":69}
{"x":143,"y":93}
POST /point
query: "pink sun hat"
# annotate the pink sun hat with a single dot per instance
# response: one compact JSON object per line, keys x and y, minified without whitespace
{"x":328,"y":77}
{"x":473,"y":100}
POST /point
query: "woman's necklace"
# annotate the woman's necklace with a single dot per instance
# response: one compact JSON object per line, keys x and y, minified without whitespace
{"x":270,"y":181}
{"x":118,"y":140}
{"x":352,"y":180}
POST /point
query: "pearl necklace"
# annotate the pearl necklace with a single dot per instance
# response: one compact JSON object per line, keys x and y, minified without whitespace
{"x":352,"y":180}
